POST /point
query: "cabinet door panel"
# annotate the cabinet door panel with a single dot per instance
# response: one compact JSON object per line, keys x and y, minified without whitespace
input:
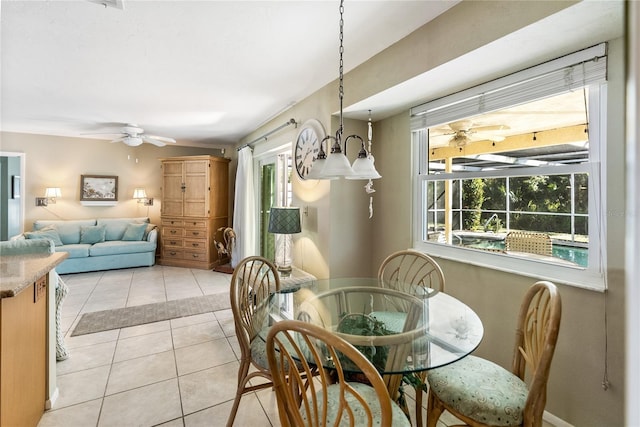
{"x":172,"y":194}
{"x":200,"y":167}
{"x":23,"y":363}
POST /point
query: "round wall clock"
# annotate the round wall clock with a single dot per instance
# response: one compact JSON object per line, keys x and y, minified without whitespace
{"x":307,"y":146}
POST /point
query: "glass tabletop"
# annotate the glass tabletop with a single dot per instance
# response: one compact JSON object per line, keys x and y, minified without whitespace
{"x":399,"y":332}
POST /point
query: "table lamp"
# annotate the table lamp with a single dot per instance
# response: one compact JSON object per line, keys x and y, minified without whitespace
{"x":284,"y":222}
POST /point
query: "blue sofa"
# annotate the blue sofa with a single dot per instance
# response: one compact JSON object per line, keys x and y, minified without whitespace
{"x":99,"y":244}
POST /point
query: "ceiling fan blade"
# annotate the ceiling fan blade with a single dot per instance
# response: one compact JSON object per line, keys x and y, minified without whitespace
{"x":487,"y":136}
{"x":103,"y":133}
{"x":153,"y":141}
{"x":491,"y":128}
{"x":161,"y":138}
{"x":119,"y":139}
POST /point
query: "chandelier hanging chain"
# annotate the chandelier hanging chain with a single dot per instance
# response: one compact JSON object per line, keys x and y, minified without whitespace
{"x":341,"y":68}
{"x":337,"y":165}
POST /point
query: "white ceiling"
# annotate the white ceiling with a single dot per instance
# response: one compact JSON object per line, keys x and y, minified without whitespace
{"x":211,"y":72}
{"x":197,"y":71}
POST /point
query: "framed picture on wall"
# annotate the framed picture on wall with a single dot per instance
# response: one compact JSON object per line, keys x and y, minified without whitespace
{"x":98,"y":188}
{"x":15,"y":186}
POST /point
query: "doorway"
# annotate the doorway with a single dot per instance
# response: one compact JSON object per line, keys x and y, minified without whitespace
{"x":275,"y":190}
{"x":11,"y":194}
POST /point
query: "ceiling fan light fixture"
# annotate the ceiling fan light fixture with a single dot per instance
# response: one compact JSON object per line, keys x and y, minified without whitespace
{"x":132,"y":141}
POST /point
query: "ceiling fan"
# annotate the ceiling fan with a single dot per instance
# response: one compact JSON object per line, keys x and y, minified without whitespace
{"x":462,"y":132}
{"x":132,"y":135}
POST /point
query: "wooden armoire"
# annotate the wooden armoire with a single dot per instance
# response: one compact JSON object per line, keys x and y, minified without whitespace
{"x":195,"y":203}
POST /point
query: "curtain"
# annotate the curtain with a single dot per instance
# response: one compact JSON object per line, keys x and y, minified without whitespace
{"x":244,"y":212}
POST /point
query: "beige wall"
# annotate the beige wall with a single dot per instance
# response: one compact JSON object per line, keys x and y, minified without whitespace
{"x":339,"y":240}
{"x":53,"y":161}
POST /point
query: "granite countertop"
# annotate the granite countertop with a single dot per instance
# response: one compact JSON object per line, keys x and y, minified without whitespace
{"x":19,"y":271}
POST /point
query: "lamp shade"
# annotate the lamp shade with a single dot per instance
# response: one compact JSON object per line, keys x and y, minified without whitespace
{"x":337,"y":166}
{"x":363,"y":168}
{"x":316,"y":170}
{"x":139,"y":193}
{"x":52,"y":192}
{"x":284,"y":221}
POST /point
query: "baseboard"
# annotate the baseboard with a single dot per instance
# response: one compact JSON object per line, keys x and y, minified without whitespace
{"x":555,"y":421}
{"x":52,"y":399}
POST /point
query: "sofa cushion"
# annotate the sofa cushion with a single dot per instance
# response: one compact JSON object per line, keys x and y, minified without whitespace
{"x":134,"y":231}
{"x":49,"y":232}
{"x":69,"y":230}
{"x":120,"y":247}
{"x":24,"y":247}
{"x":92,"y":233}
{"x":117,"y":226}
{"x":78,"y":250}
{"x":149,"y":229}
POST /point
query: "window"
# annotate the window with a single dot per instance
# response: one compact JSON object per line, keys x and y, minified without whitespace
{"x":275,"y":190}
{"x":520,"y":155}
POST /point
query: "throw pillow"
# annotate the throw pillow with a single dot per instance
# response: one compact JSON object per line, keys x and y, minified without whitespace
{"x":92,"y":234}
{"x":134,"y":231}
{"x":49,"y":232}
{"x":150,"y":228}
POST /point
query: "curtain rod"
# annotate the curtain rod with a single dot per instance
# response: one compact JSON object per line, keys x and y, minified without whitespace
{"x":249,"y":144}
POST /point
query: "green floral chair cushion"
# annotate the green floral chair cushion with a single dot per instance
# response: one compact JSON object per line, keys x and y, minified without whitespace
{"x":393,"y":321}
{"x":369,"y":395}
{"x":259,"y":353}
{"x":481,"y":390}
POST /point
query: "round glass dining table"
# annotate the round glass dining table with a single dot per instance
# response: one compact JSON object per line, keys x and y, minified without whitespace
{"x":400,"y":332}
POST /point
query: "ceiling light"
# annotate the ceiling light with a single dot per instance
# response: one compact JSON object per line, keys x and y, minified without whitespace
{"x":336,"y":164}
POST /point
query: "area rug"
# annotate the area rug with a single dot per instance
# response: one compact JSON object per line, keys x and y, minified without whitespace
{"x":106,"y":320}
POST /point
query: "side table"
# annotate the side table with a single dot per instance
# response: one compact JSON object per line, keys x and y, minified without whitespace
{"x":297,"y":277}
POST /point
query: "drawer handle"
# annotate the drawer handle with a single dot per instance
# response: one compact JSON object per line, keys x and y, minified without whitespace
{"x":195,"y":245}
{"x":195,"y":233}
{"x":172,"y":253}
{"x":196,"y":256}
{"x":195,"y":223}
{"x":173,"y":231}
{"x":173,"y":242}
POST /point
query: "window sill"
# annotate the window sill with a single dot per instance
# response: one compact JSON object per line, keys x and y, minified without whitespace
{"x":539,"y":268}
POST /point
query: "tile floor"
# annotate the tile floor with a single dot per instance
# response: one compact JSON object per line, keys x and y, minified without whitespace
{"x":179,"y":372}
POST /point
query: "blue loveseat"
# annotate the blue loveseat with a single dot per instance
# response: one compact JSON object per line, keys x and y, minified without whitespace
{"x":99,"y":244}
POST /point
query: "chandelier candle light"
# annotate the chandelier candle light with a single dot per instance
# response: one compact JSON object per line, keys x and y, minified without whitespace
{"x":336,"y":165}
{"x":284,"y":222}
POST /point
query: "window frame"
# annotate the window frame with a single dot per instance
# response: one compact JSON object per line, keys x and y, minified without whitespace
{"x":591,"y":277}
{"x":282,"y":159}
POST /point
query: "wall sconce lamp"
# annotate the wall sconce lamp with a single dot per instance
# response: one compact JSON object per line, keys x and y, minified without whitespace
{"x":141,"y":195}
{"x":283,"y":222}
{"x":50,"y":195}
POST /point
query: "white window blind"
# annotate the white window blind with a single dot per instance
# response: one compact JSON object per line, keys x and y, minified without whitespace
{"x":551,"y":78}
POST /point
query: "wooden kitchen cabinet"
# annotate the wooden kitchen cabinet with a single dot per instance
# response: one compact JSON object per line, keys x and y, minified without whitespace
{"x":23,"y":340}
{"x":195,"y":203}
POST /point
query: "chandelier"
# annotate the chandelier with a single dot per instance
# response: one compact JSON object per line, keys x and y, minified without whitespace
{"x":336,"y":165}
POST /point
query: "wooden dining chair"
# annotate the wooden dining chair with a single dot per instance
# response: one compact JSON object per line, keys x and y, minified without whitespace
{"x":418,"y":274}
{"x":253,"y":279}
{"x":481,"y":393}
{"x":329,"y":400}
{"x":412,"y":272}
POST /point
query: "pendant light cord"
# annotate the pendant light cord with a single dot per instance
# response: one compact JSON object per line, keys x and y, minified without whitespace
{"x":341,"y":67}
